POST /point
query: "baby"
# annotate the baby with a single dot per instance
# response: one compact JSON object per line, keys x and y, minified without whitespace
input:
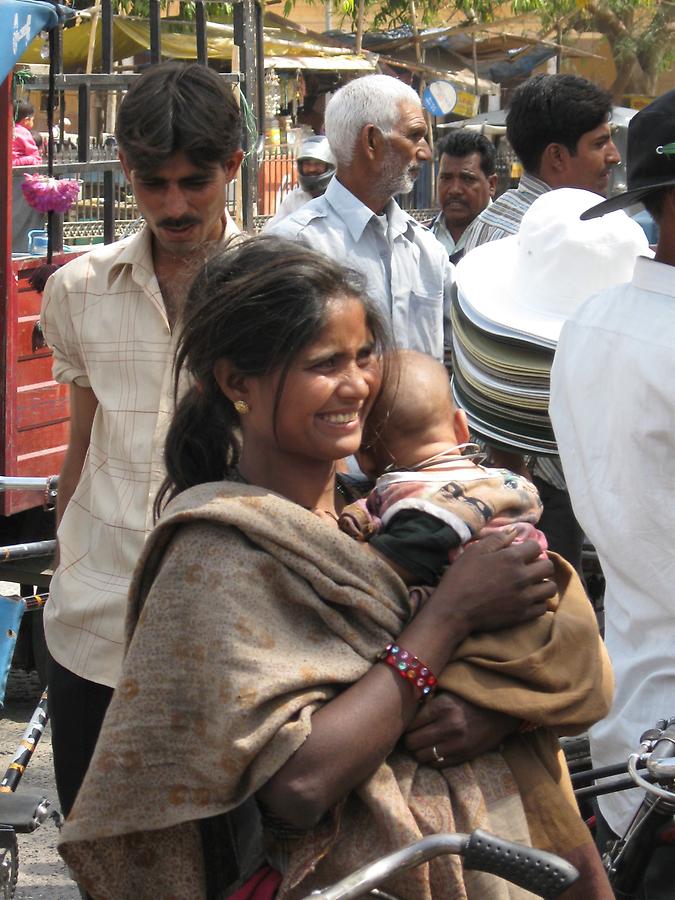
{"x":429,"y":499}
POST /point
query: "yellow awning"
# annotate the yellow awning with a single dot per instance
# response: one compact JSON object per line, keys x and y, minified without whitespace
{"x":320,"y":64}
{"x":178,"y":40}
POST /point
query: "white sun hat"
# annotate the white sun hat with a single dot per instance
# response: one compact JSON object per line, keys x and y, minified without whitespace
{"x":527,"y":285}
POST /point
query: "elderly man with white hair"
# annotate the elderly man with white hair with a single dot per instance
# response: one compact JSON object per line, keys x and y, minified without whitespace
{"x":376,"y":129}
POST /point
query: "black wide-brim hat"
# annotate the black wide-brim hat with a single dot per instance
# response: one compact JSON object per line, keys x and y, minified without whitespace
{"x":650,"y":156}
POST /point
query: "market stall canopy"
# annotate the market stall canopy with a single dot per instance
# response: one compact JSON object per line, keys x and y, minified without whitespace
{"x":20,"y":21}
{"x":284,"y":47}
{"x":500,"y":55}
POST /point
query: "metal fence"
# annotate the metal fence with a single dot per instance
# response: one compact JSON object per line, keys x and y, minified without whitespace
{"x":277,"y":176}
{"x":84,"y":222}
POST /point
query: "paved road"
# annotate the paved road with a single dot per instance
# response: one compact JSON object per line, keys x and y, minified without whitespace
{"x":42,"y":872}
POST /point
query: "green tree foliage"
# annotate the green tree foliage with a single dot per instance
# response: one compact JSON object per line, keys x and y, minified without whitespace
{"x":640,"y":33}
{"x":141,"y":8}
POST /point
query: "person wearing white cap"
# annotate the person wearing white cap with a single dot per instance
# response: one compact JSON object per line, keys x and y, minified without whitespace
{"x":376,"y":129}
{"x":613,"y":411}
{"x":316,"y":166}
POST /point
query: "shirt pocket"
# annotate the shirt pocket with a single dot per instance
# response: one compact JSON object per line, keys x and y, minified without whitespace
{"x":425,"y":319}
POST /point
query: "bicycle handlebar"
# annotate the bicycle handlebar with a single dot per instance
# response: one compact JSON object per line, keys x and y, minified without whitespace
{"x":16,"y":483}
{"x":535,"y":870}
{"x":48,"y":486}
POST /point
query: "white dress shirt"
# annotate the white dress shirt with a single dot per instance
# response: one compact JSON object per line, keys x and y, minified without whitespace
{"x":613,"y":412}
{"x":407,"y":271}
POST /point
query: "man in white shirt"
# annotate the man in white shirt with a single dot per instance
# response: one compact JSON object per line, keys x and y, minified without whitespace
{"x":376,"y":129}
{"x":109,"y":317}
{"x":613,"y":411}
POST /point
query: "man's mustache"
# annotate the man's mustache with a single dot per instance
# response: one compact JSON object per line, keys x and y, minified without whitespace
{"x":178,"y":223}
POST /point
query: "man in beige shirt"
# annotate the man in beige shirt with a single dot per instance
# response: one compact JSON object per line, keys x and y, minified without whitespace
{"x":108,"y":317}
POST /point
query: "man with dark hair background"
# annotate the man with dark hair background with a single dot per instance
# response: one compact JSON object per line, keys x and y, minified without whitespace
{"x":109,"y":317}
{"x":559,"y":127}
{"x":465,"y":186}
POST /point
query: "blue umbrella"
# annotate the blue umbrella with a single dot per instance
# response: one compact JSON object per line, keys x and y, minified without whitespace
{"x":20,"y":21}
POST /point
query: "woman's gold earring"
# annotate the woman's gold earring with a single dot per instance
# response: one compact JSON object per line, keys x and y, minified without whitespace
{"x":242,"y":407}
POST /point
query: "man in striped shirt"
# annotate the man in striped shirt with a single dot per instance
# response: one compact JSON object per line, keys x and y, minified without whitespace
{"x":558,"y":125}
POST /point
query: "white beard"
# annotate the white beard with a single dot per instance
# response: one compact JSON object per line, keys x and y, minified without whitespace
{"x":392,"y":179}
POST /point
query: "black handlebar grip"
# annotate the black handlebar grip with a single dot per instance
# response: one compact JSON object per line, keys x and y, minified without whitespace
{"x":535,"y":870}
{"x":665,"y":746}
{"x":651,"y":734}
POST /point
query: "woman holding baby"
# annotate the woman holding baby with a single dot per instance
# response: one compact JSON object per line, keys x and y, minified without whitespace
{"x":258,"y":739}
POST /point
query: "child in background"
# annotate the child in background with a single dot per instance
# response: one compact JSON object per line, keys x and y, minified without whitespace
{"x":25,"y":151}
{"x":430,"y":498}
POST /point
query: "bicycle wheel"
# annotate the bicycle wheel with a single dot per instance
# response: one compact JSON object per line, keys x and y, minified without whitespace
{"x":9,"y":863}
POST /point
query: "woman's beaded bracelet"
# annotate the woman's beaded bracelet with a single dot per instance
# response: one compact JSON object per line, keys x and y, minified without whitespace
{"x":410,"y":668}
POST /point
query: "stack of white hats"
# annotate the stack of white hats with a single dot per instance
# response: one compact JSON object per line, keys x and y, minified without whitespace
{"x":512,"y":299}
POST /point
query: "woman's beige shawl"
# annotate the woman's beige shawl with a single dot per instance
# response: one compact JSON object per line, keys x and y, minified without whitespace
{"x":246,"y":613}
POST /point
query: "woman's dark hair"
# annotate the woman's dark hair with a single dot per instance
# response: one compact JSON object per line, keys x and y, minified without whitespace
{"x":178,"y":108}
{"x":258,"y":303}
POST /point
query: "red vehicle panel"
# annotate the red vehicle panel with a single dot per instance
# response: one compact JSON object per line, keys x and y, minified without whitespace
{"x":33,"y":407}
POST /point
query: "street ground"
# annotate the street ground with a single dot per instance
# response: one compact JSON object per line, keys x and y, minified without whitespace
{"x":42,"y":872}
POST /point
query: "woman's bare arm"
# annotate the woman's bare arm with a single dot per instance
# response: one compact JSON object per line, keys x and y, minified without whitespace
{"x":492,"y":585}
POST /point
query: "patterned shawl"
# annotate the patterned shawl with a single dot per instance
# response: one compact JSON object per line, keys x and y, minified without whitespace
{"x":246,"y":613}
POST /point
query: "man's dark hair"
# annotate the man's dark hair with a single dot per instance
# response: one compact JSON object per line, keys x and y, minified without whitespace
{"x":178,"y":108}
{"x":462,"y":142}
{"x":23,"y":110}
{"x":653,"y":203}
{"x":553,"y":109}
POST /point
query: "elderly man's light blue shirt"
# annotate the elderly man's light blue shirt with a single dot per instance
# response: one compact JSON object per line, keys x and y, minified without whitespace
{"x":407,"y":271}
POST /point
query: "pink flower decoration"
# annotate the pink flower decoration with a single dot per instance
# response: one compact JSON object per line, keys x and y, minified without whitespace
{"x":50,"y":194}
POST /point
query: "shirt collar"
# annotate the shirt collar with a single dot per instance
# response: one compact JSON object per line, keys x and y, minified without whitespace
{"x":137,"y":253}
{"x":442,"y":234}
{"x":650,"y":275}
{"x":530,"y":184}
{"x":356,"y":215}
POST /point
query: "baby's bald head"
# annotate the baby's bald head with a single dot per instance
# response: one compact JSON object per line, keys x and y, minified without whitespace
{"x":414,"y":410}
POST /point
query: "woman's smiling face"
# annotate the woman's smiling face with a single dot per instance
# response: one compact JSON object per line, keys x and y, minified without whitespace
{"x":326,"y":395}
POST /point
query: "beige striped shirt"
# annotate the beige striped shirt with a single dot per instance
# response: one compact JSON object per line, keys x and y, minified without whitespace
{"x":104,"y":318}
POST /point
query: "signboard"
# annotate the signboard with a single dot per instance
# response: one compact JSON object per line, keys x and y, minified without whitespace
{"x":440,"y":98}
{"x":467,"y":105}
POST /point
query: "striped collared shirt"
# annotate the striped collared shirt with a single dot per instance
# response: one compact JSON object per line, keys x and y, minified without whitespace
{"x":503,"y":217}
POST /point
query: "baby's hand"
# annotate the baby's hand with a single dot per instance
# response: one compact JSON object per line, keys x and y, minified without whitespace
{"x":356,"y":521}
